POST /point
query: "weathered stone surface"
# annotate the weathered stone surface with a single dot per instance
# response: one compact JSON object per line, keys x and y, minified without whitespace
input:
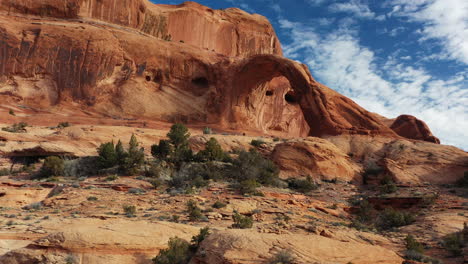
{"x":410,"y":127}
{"x":80,"y":52}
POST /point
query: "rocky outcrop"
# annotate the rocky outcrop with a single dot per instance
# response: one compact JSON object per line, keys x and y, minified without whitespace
{"x":184,"y":63}
{"x":410,"y":127}
{"x":231,"y":32}
{"x":245,"y":247}
{"x":315,"y":157}
{"x":406,"y":161}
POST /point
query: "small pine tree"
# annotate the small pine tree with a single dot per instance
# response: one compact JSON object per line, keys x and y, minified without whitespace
{"x":212,"y":151}
{"x":161,"y":151}
{"x":178,"y":135}
{"x":120,"y":152}
{"x":135,"y":157}
{"x":107,"y":155}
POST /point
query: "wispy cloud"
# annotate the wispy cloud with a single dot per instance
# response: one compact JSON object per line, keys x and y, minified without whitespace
{"x":442,"y":20}
{"x":354,"y":7}
{"x":390,"y":88}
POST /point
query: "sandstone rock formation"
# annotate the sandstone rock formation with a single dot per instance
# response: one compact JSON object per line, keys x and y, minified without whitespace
{"x":245,"y":247}
{"x":410,"y":127}
{"x":120,"y":62}
{"x":315,"y":157}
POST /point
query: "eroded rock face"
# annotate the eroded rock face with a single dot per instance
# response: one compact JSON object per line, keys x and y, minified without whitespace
{"x":315,"y":157}
{"x":184,"y":63}
{"x":410,"y":127}
{"x":243,"y":247}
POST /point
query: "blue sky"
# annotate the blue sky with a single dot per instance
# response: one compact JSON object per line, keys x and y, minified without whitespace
{"x":392,"y":57}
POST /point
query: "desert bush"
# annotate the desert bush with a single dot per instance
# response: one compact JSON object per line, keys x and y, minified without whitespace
{"x":162,"y":150}
{"x":4,"y":172}
{"x":16,"y":128}
{"x":129,"y":210}
{"x":251,"y":169}
{"x":212,"y":152}
{"x":416,"y":256}
{"x":412,"y":244}
{"x":134,"y":158}
{"x":207,"y":131}
{"x":257,"y":142}
{"x":81,"y":167}
{"x":455,"y":242}
{"x":387,"y":185}
{"x":241,"y":222}
{"x":302,"y":185}
{"x":179,"y":252}
{"x":63,"y":125}
{"x":92,"y":198}
{"x":391,"y":218}
{"x":219,"y":205}
{"x":11,"y":112}
{"x":365,"y":211}
{"x":282,"y":257}
{"x":53,"y":166}
{"x":371,"y":169}
{"x":194,"y":212}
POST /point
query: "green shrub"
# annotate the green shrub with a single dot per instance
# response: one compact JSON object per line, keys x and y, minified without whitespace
{"x":282,"y":257}
{"x":53,"y":166}
{"x":194,"y":212}
{"x":92,"y":198}
{"x":63,"y":125}
{"x":179,"y":252}
{"x":219,"y":205}
{"x":156,"y":183}
{"x":242,"y":222}
{"x":207,"y":131}
{"x":4,"y":172}
{"x":365,"y":212}
{"x":113,"y":177}
{"x":391,"y":218}
{"x":107,"y":155}
{"x":302,"y":185}
{"x":387,"y":185}
{"x":454,"y":243}
{"x":413,"y":245}
{"x":250,"y":169}
{"x":416,"y":256}
{"x":212,"y":151}
{"x":11,"y":112}
{"x":134,"y":158}
{"x":257,"y":142}
{"x":162,"y":150}
{"x":129,"y":210}
{"x":16,"y":128}
{"x":249,"y":186}
{"x":178,"y":135}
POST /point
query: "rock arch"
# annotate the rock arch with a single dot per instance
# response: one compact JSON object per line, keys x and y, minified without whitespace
{"x":325,"y":111}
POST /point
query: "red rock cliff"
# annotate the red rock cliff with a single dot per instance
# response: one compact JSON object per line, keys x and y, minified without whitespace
{"x":231,"y":32}
{"x":410,"y":127}
{"x":168,"y":63}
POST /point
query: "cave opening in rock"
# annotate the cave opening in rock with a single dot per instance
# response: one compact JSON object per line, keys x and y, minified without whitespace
{"x":269,"y":93}
{"x":148,"y":78}
{"x":201,"y":82}
{"x":290,"y":97}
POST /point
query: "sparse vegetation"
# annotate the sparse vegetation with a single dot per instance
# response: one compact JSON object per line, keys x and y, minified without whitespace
{"x":207,"y":131}
{"x":257,"y":142}
{"x":162,"y":150}
{"x":16,"y":128}
{"x":455,"y":242}
{"x":218,"y":205}
{"x":302,"y":185}
{"x":242,"y":222}
{"x":413,"y":245}
{"x":212,"y":152}
{"x":180,"y":251}
{"x":387,"y":186}
{"x":391,"y":218}
{"x":4,"y":172}
{"x":11,"y":112}
{"x":53,"y":166}
{"x":63,"y":125}
{"x":129,"y":210}
{"x":282,"y":257}
{"x":194,"y":212}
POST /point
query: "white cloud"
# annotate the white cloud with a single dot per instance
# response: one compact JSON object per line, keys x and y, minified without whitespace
{"x":443,"y":20}
{"x":354,"y":7}
{"x":338,"y":60}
